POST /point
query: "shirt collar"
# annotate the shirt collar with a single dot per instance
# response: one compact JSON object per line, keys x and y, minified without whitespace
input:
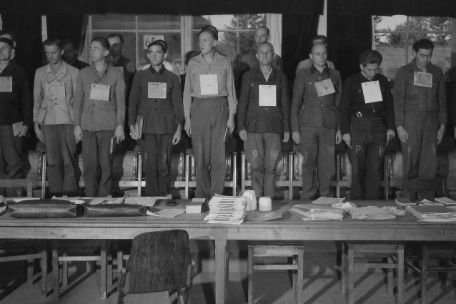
{"x":159,"y":72}
{"x":200,"y":58}
{"x":61,"y":71}
{"x":313,"y":70}
{"x":259,"y":74}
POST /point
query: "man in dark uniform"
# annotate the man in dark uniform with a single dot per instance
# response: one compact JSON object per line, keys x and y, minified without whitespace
{"x":263,"y":117}
{"x":16,"y":112}
{"x":156,"y":100}
{"x":367,"y":123}
{"x":420,"y":112}
{"x":70,"y":55}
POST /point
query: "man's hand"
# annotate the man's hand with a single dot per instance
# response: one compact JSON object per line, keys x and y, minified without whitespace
{"x":38,"y":132}
{"x":286,"y":137}
{"x":243,"y":135}
{"x":119,"y":133}
{"x":338,"y":137}
{"x":390,"y":134}
{"x":134,"y":132}
{"x":440,"y":133}
{"x":23,"y":131}
{"x":177,"y":135}
{"x":296,"y":136}
{"x":402,"y":134}
{"x":77,"y":134}
{"x":230,"y":124}
{"x":347,"y":139}
{"x":187,"y":127}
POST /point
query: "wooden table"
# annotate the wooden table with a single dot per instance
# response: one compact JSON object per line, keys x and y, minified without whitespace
{"x":293,"y":228}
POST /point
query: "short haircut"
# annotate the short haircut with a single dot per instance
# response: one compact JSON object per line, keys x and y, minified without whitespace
{"x":370,"y":57}
{"x":317,"y":44}
{"x":51,"y":41}
{"x":9,"y":33}
{"x":113,"y":35}
{"x":190,"y":54}
{"x":425,"y":44}
{"x":263,"y":27}
{"x":8,"y":41}
{"x":266,"y":43}
{"x":161,"y":43}
{"x":209,"y":29}
{"x":320,"y":39}
{"x":103,"y":41}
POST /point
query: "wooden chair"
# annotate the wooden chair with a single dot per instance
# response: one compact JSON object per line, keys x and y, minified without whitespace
{"x":264,"y":251}
{"x":284,"y":167}
{"x":159,"y":261}
{"x":393,"y":253}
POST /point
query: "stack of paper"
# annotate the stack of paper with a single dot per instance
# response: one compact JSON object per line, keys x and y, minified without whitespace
{"x":435,"y":214}
{"x":371,"y":213}
{"x":226,"y":210}
{"x":328,"y":200}
{"x":446,"y":201}
{"x":310,"y":212}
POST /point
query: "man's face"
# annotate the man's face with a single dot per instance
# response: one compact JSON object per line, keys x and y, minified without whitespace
{"x":116,"y":46}
{"x":265,"y":54}
{"x":53,"y":54}
{"x":5,"y":51}
{"x":69,"y":52}
{"x":261,"y":36}
{"x":369,"y":70}
{"x":156,"y":55}
{"x":423,"y":58}
{"x":97,"y":51}
{"x":319,"y":55}
{"x":206,"y":42}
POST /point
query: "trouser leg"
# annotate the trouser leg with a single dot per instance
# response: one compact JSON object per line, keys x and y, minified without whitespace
{"x":104,"y":156}
{"x":427,"y":166}
{"x":254,"y":153}
{"x":90,"y":162}
{"x":326,"y":161}
{"x":374,"y":163}
{"x":357,"y":156}
{"x":150,"y":164}
{"x":309,"y":150}
{"x":217,"y":147}
{"x":68,"y":152}
{"x":12,"y":153}
{"x":53,"y":158}
{"x":272,"y":148}
{"x":164,"y":163}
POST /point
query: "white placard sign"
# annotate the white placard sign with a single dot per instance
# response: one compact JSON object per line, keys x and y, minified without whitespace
{"x":371,"y":91}
{"x":267,"y":95}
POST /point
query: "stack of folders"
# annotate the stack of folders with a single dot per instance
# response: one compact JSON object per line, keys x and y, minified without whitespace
{"x":226,"y":210}
{"x":433,"y":214}
{"x":310,"y":212}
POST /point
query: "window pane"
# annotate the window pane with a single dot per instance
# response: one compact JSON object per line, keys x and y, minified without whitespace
{"x":159,"y":22}
{"x":113,"y":22}
{"x":174,"y":47}
{"x":128,"y":47}
{"x":388,"y":23}
{"x":221,"y":22}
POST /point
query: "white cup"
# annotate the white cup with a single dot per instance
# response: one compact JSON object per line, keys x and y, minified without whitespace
{"x":265,"y":203}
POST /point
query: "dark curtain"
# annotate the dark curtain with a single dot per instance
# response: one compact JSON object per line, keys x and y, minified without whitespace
{"x":27,"y":29}
{"x":297,"y":34}
{"x":348,"y":36}
{"x":67,"y":26}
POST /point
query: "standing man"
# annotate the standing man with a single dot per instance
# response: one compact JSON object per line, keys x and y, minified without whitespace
{"x":99,"y":117}
{"x":156,"y":100}
{"x":307,"y":63}
{"x":263,"y":118}
{"x":209,"y":108}
{"x":367,"y":124}
{"x":70,"y":55}
{"x":53,"y":95}
{"x":314,"y":122}
{"x":420,"y":112}
{"x":16,"y":112}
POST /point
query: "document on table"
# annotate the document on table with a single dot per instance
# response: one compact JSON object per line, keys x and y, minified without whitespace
{"x":156,"y":90}
{"x":267,"y":95}
{"x":6,"y":84}
{"x":209,"y":84}
{"x":56,"y":90}
{"x":324,"y":87}
{"x":371,"y":91}
{"x":422,"y":79}
{"x":99,"y":91}
{"x":322,"y":200}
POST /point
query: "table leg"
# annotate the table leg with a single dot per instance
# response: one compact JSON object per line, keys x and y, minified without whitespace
{"x":221,"y":266}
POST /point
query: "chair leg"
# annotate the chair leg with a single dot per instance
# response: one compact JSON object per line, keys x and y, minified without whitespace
{"x":400,"y":275}
{"x":103,"y":271}
{"x":65,"y":272}
{"x":30,"y":263}
{"x":180,"y":296}
{"x":424,"y":273}
{"x":343,"y":271}
{"x":294,"y":274}
{"x":300,"y":280}
{"x":350,"y":277}
{"x":44,"y":270}
{"x":250,"y":269}
{"x":55,"y":269}
{"x":390,"y":276}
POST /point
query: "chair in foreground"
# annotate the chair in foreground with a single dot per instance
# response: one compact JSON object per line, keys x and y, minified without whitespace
{"x":159,"y":261}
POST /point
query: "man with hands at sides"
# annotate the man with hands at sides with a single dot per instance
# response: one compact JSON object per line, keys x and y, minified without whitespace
{"x":156,"y":105}
{"x":420,"y":112}
{"x":99,"y":115}
{"x":262,"y":118}
{"x":367,"y":124}
{"x":314,"y":122}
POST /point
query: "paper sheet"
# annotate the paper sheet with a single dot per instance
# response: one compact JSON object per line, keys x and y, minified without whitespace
{"x":56,"y":90}
{"x":267,"y":95}
{"x":371,"y":91}
{"x":324,"y":87}
{"x":209,"y":84}
{"x":156,"y":90}
{"x":99,"y":91}
{"x":422,"y":79}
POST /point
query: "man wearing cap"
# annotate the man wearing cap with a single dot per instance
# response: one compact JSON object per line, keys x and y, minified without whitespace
{"x":16,"y":112}
{"x":314,"y":122}
{"x":263,"y":118}
{"x":53,"y":95}
{"x":209,"y":108}
{"x":420,"y":112}
{"x":367,"y":124}
{"x":156,"y":105}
